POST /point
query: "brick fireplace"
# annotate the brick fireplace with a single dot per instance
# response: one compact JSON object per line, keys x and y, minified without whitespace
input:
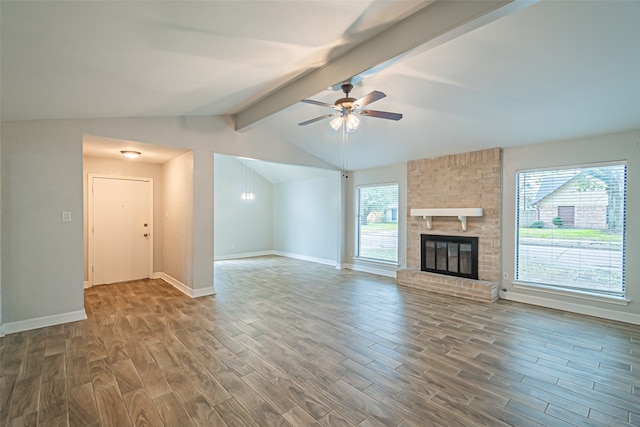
{"x":467,"y":180}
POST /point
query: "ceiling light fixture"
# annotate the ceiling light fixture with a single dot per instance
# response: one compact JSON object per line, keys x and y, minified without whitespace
{"x":336,"y":123}
{"x":352,"y":122}
{"x":349,"y":120}
{"x":247,"y":194}
{"x":130,"y":154}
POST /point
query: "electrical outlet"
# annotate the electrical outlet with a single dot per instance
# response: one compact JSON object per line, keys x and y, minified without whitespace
{"x":66,"y":216}
{"x":505,"y":276}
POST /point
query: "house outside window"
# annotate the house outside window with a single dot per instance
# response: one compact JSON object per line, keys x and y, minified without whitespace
{"x":377,"y":222}
{"x":570,"y":228}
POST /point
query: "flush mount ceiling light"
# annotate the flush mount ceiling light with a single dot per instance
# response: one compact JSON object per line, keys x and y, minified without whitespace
{"x":130,"y":154}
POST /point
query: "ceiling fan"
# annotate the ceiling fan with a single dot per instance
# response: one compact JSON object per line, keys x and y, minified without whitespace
{"x":347,"y":108}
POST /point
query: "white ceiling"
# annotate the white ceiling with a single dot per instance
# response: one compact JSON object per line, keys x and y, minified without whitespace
{"x":552,"y":70}
{"x":277,"y":173}
{"x":98,"y":146}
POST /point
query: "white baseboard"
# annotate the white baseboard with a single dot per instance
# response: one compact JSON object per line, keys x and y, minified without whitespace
{"x":305,"y":258}
{"x":193,"y":293}
{"x":277,"y":253}
{"x":242,"y":255}
{"x":43,"y":322}
{"x":87,"y":285}
{"x":372,"y":270}
{"x":572,"y":307}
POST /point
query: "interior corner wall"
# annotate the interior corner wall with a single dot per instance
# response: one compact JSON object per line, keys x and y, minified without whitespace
{"x":202,"y":222}
{"x":305,"y":219}
{"x":129,"y":168}
{"x":242,"y":227}
{"x":42,"y":268}
{"x":177,"y":254}
{"x":583,"y":151}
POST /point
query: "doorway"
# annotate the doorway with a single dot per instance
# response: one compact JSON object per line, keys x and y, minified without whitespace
{"x":120,"y":228}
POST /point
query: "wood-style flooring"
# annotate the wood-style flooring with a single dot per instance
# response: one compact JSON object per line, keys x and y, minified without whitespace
{"x":287,"y":342}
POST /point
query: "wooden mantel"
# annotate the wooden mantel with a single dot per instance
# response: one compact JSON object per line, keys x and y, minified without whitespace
{"x":461,"y":213}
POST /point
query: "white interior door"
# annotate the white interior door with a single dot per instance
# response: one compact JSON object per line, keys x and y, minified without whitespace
{"x":120,"y":232}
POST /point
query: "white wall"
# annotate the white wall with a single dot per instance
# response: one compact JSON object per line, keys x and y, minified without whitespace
{"x":297,"y":218}
{"x":612,"y":147}
{"x":243,"y":227}
{"x":202,"y":223}
{"x":383,"y":175}
{"x":306,"y":218}
{"x":42,"y":257}
{"x":131,"y":168}
{"x":177,"y":255}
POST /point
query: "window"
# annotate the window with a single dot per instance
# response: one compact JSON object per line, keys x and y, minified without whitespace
{"x":570,"y":228}
{"x":377,"y":222}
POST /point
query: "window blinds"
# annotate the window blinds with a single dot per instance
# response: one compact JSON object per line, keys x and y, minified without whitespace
{"x":571,"y":228}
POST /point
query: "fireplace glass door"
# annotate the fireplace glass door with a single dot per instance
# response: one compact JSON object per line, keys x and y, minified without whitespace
{"x":452,"y":255}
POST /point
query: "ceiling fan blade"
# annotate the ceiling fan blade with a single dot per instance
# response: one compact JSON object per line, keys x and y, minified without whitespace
{"x":381,"y":114}
{"x":369,"y":98}
{"x":315,"y":119}
{"x":322,"y":104}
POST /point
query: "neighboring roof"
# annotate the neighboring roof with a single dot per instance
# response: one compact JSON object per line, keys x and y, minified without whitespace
{"x":550,"y":184}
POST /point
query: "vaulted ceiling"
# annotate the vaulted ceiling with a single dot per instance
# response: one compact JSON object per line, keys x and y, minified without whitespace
{"x":465,"y":75}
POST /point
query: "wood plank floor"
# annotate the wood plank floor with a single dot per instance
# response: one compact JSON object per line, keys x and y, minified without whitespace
{"x":287,"y":342}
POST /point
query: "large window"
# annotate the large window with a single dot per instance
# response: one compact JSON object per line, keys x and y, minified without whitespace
{"x":377,"y":222}
{"x":571,"y":227}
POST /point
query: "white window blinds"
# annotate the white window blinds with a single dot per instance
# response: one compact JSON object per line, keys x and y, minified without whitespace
{"x":571,"y":227}
{"x":377,"y":222}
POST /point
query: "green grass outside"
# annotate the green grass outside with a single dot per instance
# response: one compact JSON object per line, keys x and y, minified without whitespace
{"x":571,"y":234}
{"x":379,"y":253}
{"x":378,"y":226}
{"x":389,"y":254}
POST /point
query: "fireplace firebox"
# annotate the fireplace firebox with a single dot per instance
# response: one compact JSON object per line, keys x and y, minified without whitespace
{"x":451,"y":255}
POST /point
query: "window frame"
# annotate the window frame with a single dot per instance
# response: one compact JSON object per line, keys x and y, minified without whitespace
{"x":357,"y":255}
{"x":581,"y":292}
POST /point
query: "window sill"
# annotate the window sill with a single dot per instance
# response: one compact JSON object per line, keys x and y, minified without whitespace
{"x":573,"y":293}
{"x":376,"y":262}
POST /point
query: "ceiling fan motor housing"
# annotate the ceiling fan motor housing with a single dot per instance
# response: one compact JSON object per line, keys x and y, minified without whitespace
{"x":346,"y":102}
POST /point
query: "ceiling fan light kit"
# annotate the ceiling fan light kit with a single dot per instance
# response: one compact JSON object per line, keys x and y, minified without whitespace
{"x":349,"y":120}
{"x":348,"y":108}
{"x":336,"y":123}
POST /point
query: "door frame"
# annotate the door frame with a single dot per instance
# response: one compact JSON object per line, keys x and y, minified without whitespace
{"x":90,"y":210}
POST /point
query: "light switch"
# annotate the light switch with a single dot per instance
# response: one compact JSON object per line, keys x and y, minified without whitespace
{"x":66,"y":216}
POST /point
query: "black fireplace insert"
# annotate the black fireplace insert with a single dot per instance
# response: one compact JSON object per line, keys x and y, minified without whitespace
{"x":452,"y":255}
